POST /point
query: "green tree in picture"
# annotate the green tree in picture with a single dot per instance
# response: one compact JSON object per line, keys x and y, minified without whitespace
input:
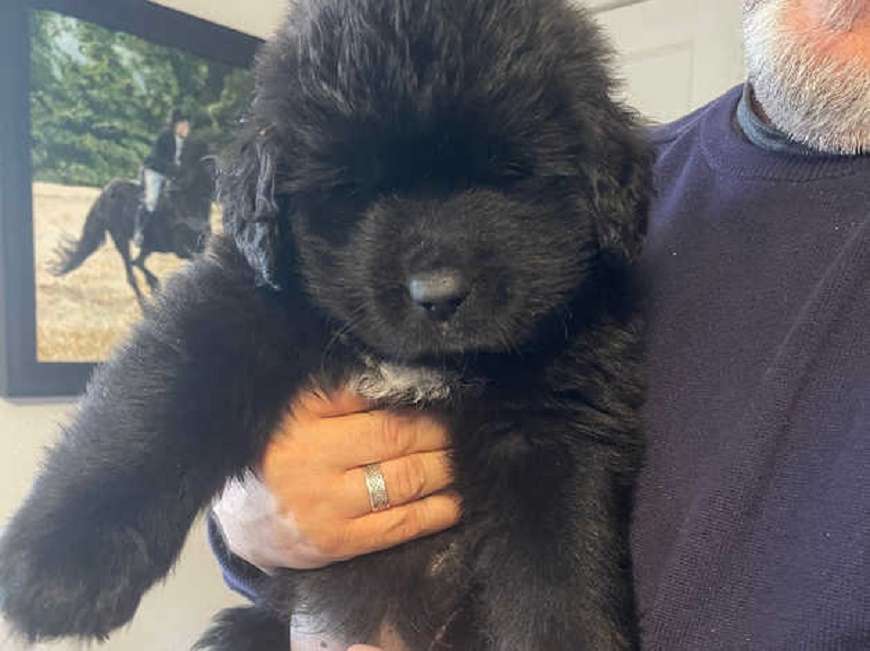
{"x":99,"y":98}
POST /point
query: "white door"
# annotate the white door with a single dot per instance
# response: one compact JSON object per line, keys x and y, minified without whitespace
{"x":674,"y":55}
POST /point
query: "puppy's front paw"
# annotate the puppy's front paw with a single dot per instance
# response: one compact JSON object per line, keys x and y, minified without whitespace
{"x":82,"y":587}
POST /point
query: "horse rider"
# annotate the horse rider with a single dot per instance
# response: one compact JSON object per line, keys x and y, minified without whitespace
{"x":163,"y":161}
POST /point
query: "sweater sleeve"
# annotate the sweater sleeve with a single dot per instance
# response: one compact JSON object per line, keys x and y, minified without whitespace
{"x":239,"y":575}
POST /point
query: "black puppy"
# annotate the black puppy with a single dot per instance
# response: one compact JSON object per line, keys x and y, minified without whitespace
{"x":439,"y":203}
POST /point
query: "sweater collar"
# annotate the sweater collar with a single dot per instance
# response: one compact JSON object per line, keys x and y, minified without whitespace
{"x":763,"y":134}
{"x":727,"y":149}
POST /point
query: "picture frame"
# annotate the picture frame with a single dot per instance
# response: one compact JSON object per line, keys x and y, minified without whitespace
{"x":22,"y":373}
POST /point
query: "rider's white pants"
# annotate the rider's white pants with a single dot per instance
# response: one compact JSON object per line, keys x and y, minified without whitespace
{"x":153,"y":184}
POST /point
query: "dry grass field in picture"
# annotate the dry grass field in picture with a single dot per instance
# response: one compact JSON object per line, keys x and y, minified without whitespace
{"x":81,"y":316}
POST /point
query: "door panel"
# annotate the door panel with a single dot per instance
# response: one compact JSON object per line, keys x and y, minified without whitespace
{"x":674,"y":55}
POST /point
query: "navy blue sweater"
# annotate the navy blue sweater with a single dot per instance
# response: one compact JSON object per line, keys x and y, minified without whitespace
{"x":753,"y":510}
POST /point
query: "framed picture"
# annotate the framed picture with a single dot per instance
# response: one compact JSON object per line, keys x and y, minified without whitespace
{"x":113,"y":111}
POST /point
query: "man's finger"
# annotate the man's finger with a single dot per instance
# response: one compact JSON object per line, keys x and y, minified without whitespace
{"x":397,"y":525}
{"x":318,"y":404}
{"x":407,"y":479}
{"x":378,"y":436}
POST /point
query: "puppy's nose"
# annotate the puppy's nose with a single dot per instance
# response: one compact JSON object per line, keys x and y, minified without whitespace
{"x":439,"y":293}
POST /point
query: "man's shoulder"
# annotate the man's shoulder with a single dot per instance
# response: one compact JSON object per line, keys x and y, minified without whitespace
{"x":661,"y":135}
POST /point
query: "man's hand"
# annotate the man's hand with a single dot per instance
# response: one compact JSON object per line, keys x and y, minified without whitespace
{"x":310,"y":506}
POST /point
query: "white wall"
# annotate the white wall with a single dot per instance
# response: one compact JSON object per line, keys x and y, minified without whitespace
{"x":674,"y":55}
{"x":256,"y":17}
{"x":172,"y":615}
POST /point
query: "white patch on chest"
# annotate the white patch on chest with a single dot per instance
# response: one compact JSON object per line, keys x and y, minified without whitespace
{"x":443,"y":560}
{"x":387,"y":382}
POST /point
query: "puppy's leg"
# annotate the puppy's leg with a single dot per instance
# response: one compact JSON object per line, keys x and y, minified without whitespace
{"x":246,"y":629}
{"x":188,"y":401}
{"x":553,"y":559}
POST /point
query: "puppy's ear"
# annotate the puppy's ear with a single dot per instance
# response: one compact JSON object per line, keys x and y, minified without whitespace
{"x":621,"y":190}
{"x":252,"y":212}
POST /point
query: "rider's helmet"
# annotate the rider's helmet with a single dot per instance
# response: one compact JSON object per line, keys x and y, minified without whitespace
{"x":177,"y":115}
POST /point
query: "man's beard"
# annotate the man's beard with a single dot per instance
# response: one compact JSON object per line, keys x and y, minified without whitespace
{"x":813,"y":97}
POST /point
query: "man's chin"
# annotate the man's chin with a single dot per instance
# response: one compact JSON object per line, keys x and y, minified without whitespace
{"x":830,"y":125}
{"x":805,"y":89}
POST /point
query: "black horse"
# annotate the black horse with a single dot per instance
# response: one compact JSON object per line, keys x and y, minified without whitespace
{"x":180,"y":224}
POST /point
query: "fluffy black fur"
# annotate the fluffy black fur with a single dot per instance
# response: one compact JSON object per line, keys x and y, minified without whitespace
{"x":388,"y":138}
{"x":246,"y":629}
